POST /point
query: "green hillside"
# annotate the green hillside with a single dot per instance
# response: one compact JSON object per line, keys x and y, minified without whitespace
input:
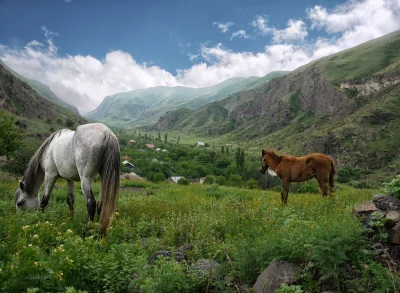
{"x":42,"y":90}
{"x":346,"y":105}
{"x":144,"y":107}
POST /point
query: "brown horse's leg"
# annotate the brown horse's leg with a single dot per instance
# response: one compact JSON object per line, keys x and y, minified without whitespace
{"x":323,"y":184}
{"x":285,"y":191}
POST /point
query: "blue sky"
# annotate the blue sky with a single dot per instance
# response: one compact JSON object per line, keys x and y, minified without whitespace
{"x":85,"y":49}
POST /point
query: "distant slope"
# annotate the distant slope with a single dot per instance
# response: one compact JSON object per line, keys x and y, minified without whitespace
{"x":43,"y":90}
{"x":40,"y":115}
{"x":346,"y":105}
{"x":141,"y":107}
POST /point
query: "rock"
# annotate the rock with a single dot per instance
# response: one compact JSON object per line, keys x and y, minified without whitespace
{"x":244,"y":288}
{"x":21,"y":124}
{"x":276,"y":274}
{"x":392,"y":218}
{"x":166,"y":254}
{"x":207,"y":265}
{"x":394,"y":234}
{"x":386,"y":202}
{"x":364,"y":211}
{"x":365,"y":208}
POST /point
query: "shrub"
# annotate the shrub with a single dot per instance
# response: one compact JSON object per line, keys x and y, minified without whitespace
{"x":59,"y":121}
{"x":156,"y":177}
{"x":221,"y":180}
{"x":252,"y":184}
{"x":393,"y":187}
{"x":183,"y":181}
{"x":209,"y":179}
{"x":235,"y":180}
{"x":69,"y":123}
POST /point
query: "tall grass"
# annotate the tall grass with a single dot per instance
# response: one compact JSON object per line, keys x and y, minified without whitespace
{"x":244,"y":230}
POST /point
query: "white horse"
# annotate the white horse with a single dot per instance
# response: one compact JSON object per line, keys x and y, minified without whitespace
{"x":75,"y":155}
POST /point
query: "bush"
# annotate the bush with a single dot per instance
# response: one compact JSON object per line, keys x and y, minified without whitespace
{"x":59,"y":121}
{"x":221,"y":180}
{"x":183,"y":181}
{"x":393,"y":187}
{"x":69,"y":123}
{"x":209,"y":179}
{"x":235,"y":180}
{"x":156,"y":177}
{"x":252,"y":184}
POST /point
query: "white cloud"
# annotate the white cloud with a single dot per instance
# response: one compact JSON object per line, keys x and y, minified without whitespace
{"x":240,"y":34}
{"x":378,"y":15}
{"x":224,"y":27}
{"x":296,"y":31}
{"x":260,"y":23}
{"x":84,"y":80}
{"x":193,"y":56}
{"x":67,"y":1}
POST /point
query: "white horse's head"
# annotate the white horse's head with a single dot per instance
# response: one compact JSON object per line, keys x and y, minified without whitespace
{"x":26,"y":200}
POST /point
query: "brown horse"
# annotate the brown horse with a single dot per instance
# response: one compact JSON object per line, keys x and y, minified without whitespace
{"x":299,"y":169}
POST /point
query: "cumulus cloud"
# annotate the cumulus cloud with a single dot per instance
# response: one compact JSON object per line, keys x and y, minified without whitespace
{"x":295,"y":31}
{"x":224,"y":27}
{"x":260,"y":23}
{"x":240,"y":34}
{"x":84,"y":80}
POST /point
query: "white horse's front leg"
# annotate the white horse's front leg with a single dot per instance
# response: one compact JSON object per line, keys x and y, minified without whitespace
{"x":86,"y":185}
{"x":49,"y":182}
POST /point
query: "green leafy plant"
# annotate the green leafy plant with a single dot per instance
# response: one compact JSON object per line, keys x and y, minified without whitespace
{"x":284,"y":288}
{"x":393,"y":187}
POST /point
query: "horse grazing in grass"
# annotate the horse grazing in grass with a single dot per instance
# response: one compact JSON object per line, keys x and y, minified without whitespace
{"x":75,"y":155}
{"x":299,"y":169}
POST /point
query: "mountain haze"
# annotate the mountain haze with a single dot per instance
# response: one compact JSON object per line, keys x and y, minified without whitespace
{"x":145,"y":106}
{"x":43,"y":90}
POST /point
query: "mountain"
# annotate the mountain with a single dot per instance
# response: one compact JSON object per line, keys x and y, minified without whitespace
{"x":145,"y":106}
{"x":346,"y":105}
{"x":42,"y":89}
{"x":29,"y":108}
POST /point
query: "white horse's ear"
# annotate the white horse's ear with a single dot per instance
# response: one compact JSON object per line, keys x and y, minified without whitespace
{"x":21,"y":185}
{"x":272,"y":172}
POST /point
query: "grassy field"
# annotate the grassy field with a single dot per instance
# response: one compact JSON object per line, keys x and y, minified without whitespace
{"x":243,"y":230}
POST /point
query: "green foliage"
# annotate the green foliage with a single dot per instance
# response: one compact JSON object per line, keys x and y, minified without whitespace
{"x":242,"y":229}
{"x":235,"y":180}
{"x":59,"y":121}
{"x":284,"y":288}
{"x":20,"y":159}
{"x":69,"y":123}
{"x":252,"y":184}
{"x":221,"y":180}
{"x":210,"y":179}
{"x":393,"y":187}
{"x":10,"y":138}
{"x":347,"y":174}
{"x":49,"y":120}
{"x":183,"y":181}
{"x":156,"y":177}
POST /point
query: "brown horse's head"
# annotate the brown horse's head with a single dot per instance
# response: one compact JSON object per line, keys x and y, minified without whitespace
{"x":264,"y":163}
{"x":268,"y":157}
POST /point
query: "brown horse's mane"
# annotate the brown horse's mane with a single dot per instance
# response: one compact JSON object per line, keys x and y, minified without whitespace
{"x":277,"y":156}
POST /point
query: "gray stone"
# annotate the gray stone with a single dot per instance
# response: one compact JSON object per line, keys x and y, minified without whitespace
{"x":392,"y":218}
{"x":365,"y":208}
{"x":207,"y":265}
{"x":386,"y":202}
{"x":276,"y":274}
{"x":394,"y":234}
{"x":177,"y":256}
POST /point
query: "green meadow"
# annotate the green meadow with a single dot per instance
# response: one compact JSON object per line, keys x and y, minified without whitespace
{"x":241,"y":229}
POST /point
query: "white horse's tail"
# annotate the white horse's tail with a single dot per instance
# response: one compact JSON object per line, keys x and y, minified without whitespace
{"x":110,"y":176}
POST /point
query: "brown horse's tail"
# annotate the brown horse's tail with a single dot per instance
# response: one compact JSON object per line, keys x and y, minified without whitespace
{"x":332,"y":173}
{"x":110,"y":173}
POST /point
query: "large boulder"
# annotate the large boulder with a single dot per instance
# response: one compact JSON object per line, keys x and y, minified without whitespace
{"x":206,"y":266}
{"x":276,"y":274}
{"x":386,"y":202}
